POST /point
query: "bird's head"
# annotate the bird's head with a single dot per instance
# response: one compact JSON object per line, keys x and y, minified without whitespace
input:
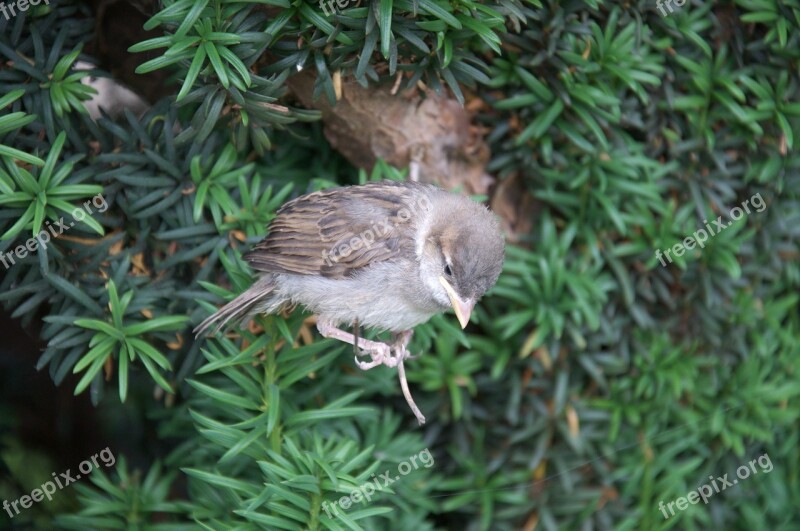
{"x":461,"y":256}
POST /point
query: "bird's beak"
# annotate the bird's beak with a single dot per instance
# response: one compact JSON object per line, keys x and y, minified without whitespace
{"x":462,"y":308}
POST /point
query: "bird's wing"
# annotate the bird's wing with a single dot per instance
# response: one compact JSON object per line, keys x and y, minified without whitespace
{"x":334,"y":233}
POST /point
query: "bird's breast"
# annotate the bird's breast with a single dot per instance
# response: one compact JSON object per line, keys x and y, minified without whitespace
{"x":381,"y":297}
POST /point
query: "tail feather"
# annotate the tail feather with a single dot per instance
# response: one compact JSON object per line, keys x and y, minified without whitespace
{"x":239,"y":308}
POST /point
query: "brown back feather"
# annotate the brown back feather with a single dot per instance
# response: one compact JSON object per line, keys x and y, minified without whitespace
{"x":308,"y":227}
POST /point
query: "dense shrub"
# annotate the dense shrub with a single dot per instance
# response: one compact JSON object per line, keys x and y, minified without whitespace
{"x":596,"y":382}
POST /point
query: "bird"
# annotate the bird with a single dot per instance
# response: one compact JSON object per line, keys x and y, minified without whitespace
{"x":385,"y":255}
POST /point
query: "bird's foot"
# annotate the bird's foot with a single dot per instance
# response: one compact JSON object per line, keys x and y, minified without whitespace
{"x":408,"y":356}
{"x":401,"y":374}
{"x":381,"y":354}
{"x":401,"y":340}
{"x":390,"y":354}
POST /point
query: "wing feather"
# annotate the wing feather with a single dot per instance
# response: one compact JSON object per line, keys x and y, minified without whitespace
{"x":308,"y":233}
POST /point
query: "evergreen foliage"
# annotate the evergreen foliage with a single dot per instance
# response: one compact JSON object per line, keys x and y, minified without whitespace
{"x":595,"y":382}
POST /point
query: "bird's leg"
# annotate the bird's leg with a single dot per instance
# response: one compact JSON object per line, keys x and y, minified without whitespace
{"x":356,"y":335}
{"x":401,"y":339}
{"x":401,"y":373}
{"x":381,"y":353}
{"x":356,"y":332}
{"x":400,"y":342}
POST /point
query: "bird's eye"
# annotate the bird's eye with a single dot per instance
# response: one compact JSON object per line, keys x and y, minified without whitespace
{"x":447,"y":270}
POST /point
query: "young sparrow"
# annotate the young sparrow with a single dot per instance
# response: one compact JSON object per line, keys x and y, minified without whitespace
{"x":384,"y":255}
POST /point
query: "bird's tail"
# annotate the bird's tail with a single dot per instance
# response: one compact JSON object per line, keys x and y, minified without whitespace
{"x":238,"y":308}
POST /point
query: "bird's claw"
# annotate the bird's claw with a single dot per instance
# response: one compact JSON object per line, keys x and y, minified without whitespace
{"x":381,"y":354}
{"x":390,"y":355}
{"x":367,"y":365}
{"x":407,"y":355}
